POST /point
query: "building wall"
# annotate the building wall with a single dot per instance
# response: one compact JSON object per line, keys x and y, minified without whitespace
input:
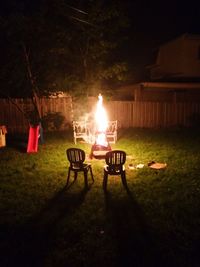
{"x":168,"y":92}
{"x":190,"y":60}
{"x":178,"y":58}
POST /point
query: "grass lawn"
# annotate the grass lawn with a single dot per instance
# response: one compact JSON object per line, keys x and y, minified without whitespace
{"x":155,"y":222}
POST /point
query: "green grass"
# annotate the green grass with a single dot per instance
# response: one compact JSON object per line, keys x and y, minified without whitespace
{"x":155,"y":222}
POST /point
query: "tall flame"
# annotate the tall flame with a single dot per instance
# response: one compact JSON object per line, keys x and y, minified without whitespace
{"x":101,"y":120}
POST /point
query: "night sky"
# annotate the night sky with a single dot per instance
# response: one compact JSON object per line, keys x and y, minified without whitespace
{"x":160,"y":20}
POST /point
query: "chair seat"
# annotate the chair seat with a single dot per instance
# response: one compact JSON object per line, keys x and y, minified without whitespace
{"x":77,"y":167}
{"x":115,"y":170}
{"x":80,"y":134}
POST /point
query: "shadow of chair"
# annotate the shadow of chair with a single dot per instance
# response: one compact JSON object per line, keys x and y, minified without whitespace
{"x":115,"y":161}
{"x":76,"y":157}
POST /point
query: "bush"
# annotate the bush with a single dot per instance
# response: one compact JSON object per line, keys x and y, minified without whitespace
{"x":53,"y":121}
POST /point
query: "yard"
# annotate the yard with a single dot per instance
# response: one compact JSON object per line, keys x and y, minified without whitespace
{"x":153,"y":222}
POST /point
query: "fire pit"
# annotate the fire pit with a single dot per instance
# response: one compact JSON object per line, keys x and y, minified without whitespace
{"x":98,"y":151}
{"x":101,"y":145}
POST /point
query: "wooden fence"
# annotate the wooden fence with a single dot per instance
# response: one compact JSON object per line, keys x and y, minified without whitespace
{"x":17,"y":122}
{"x":128,"y":113}
{"x":153,"y":114}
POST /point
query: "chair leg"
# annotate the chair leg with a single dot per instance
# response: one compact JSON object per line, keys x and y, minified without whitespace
{"x":105,"y":179}
{"x":86,"y":178}
{"x":123,"y":176}
{"x":75,"y":175}
{"x":91,"y":173}
{"x":68,"y":176}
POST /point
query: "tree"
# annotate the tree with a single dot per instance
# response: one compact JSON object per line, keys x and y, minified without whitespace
{"x":61,"y":46}
{"x":97,"y":42}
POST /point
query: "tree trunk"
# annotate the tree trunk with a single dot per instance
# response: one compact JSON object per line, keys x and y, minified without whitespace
{"x":35,"y":98}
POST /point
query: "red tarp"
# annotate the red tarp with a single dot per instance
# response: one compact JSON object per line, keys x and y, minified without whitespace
{"x":33,"y":139}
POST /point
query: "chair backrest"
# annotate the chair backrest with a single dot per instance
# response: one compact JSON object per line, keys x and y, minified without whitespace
{"x":75,"y":156}
{"x":115,"y":159}
{"x":80,"y":127}
{"x":112,"y":127}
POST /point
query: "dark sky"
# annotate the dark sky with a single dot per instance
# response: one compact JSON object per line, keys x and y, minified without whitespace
{"x":163,"y":19}
{"x":156,"y":19}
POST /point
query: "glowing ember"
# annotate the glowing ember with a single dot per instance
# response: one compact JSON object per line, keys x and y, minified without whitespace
{"x":101,"y":122}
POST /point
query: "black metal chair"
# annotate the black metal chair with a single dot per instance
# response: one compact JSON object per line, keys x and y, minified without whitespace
{"x":115,"y":161}
{"x":76,"y":158}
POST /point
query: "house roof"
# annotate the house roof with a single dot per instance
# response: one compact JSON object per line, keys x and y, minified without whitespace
{"x":184,"y":36}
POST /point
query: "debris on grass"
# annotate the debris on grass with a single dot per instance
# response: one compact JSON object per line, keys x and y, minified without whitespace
{"x":157,"y":165}
{"x":133,"y":166}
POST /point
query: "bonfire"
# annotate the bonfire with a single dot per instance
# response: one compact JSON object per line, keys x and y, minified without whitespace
{"x":101,"y":145}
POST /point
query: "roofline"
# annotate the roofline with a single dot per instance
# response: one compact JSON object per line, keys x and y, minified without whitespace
{"x":170,"y":85}
{"x":183,"y":36}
